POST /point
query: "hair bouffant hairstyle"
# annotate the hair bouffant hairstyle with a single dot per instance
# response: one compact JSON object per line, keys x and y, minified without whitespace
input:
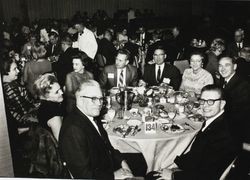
{"x":5,"y":65}
{"x":43,"y":84}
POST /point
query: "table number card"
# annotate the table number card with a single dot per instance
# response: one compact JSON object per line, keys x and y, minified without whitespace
{"x":150,"y":127}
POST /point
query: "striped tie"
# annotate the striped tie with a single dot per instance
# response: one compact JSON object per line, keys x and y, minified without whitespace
{"x":121,"y":79}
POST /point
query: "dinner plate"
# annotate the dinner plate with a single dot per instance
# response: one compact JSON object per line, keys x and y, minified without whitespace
{"x":134,"y":122}
{"x":196,"y":117}
{"x":172,"y":128}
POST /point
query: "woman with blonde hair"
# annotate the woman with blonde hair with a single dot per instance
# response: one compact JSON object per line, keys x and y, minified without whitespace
{"x":50,"y":112}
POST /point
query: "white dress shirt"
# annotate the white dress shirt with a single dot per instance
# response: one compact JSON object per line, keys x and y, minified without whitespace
{"x":91,"y":119}
{"x":86,"y":42}
{"x":210,"y":120}
{"x":157,"y":67}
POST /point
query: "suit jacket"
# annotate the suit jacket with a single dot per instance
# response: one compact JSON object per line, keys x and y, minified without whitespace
{"x":107,"y":49}
{"x":233,"y":50}
{"x":211,"y":152}
{"x":64,"y":65}
{"x":237,"y":95}
{"x":87,"y":154}
{"x":56,"y":52}
{"x":107,"y":82}
{"x":169,"y":72}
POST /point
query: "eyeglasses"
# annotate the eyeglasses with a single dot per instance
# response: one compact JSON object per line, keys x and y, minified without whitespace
{"x":158,"y":54}
{"x":210,"y":102}
{"x":95,"y":99}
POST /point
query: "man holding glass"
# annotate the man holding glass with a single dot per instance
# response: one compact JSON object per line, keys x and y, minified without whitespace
{"x":84,"y":143}
{"x":213,"y":148}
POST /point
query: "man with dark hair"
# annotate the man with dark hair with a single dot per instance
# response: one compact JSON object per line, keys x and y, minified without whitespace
{"x":107,"y":48}
{"x":119,"y":74}
{"x":213,"y":148}
{"x":53,"y":48}
{"x":161,"y":72}
{"x":64,"y":64}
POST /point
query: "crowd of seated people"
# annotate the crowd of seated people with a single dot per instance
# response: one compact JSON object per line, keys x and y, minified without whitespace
{"x":45,"y":66}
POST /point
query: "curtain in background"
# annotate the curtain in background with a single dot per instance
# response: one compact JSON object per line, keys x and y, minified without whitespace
{"x":66,"y":8}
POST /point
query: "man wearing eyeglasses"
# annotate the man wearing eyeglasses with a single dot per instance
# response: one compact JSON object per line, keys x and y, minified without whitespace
{"x":84,"y":143}
{"x":161,"y":72}
{"x":213,"y":148}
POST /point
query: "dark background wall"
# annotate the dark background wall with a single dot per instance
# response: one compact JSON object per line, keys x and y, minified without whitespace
{"x":66,"y":8}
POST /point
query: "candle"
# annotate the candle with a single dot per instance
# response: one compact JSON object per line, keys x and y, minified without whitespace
{"x":125,"y":100}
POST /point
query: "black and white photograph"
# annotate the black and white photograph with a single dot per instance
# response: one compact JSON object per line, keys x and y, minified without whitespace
{"x":125,"y":89}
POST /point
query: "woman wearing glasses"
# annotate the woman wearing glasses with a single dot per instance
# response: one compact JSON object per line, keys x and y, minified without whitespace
{"x":50,"y":112}
{"x":195,"y":78}
{"x":73,"y":79}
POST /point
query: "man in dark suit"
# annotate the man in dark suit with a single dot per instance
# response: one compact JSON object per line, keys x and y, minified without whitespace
{"x":213,"y":148}
{"x":107,"y":48}
{"x":119,"y":74}
{"x":64,"y":64}
{"x":161,"y":72}
{"x":236,"y":88}
{"x":53,"y":49}
{"x":84,"y":143}
{"x":234,"y":47}
{"x":237,"y":94}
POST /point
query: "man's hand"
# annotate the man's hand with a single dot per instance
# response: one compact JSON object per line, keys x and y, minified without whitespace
{"x":166,"y":174}
{"x":123,"y":174}
{"x":142,"y":83}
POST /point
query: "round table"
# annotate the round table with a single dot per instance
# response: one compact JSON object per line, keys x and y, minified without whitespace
{"x":159,"y":149}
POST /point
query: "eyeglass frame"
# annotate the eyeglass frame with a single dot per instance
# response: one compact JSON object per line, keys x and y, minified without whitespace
{"x":94,"y":99}
{"x":210,"y":102}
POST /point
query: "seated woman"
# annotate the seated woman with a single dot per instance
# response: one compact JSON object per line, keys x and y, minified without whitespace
{"x":73,"y":79}
{"x":20,"y":115}
{"x":195,"y":78}
{"x":50,"y":112}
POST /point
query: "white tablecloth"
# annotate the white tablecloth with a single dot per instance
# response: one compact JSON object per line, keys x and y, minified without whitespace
{"x":159,"y":149}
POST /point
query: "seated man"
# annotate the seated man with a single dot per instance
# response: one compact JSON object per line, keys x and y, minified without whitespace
{"x":213,"y":148}
{"x":119,"y":74}
{"x":84,"y":143}
{"x":161,"y":72}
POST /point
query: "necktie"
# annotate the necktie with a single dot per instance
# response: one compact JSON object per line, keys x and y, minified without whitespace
{"x":239,"y":46}
{"x":158,"y":74}
{"x":52,"y":50}
{"x":224,"y":84}
{"x":121,"y":78}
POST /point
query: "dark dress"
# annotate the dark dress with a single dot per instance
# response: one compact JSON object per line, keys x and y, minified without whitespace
{"x":48,"y":110}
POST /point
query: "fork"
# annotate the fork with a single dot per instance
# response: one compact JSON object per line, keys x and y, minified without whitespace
{"x":187,"y":124}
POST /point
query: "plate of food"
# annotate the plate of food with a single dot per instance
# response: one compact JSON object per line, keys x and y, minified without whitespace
{"x":134,"y":122}
{"x":196,"y":117}
{"x":121,"y":129}
{"x":172,"y":128}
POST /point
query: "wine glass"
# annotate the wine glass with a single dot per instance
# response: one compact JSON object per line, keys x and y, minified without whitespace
{"x":171,"y":114}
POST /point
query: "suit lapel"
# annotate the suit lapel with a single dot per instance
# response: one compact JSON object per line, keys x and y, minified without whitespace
{"x":128,"y":74}
{"x":232,"y":82}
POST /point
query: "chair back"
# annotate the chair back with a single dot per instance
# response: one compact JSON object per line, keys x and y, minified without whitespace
{"x":181,"y":65}
{"x":227,"y":170}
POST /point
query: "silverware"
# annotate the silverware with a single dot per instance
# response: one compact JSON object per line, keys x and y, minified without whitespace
{"x":187,"y":124}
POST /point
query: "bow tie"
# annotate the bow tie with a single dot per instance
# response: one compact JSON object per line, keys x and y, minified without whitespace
{"x":80,"y":33}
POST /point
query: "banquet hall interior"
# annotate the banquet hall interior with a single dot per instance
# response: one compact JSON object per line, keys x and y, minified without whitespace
{"x":155,"y":63}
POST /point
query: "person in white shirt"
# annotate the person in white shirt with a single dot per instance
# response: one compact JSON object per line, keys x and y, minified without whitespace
{"x":86,"y":40}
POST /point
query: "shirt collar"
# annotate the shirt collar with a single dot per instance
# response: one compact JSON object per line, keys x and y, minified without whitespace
{"x":210,"y":120}
{"x":230,"y":77}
